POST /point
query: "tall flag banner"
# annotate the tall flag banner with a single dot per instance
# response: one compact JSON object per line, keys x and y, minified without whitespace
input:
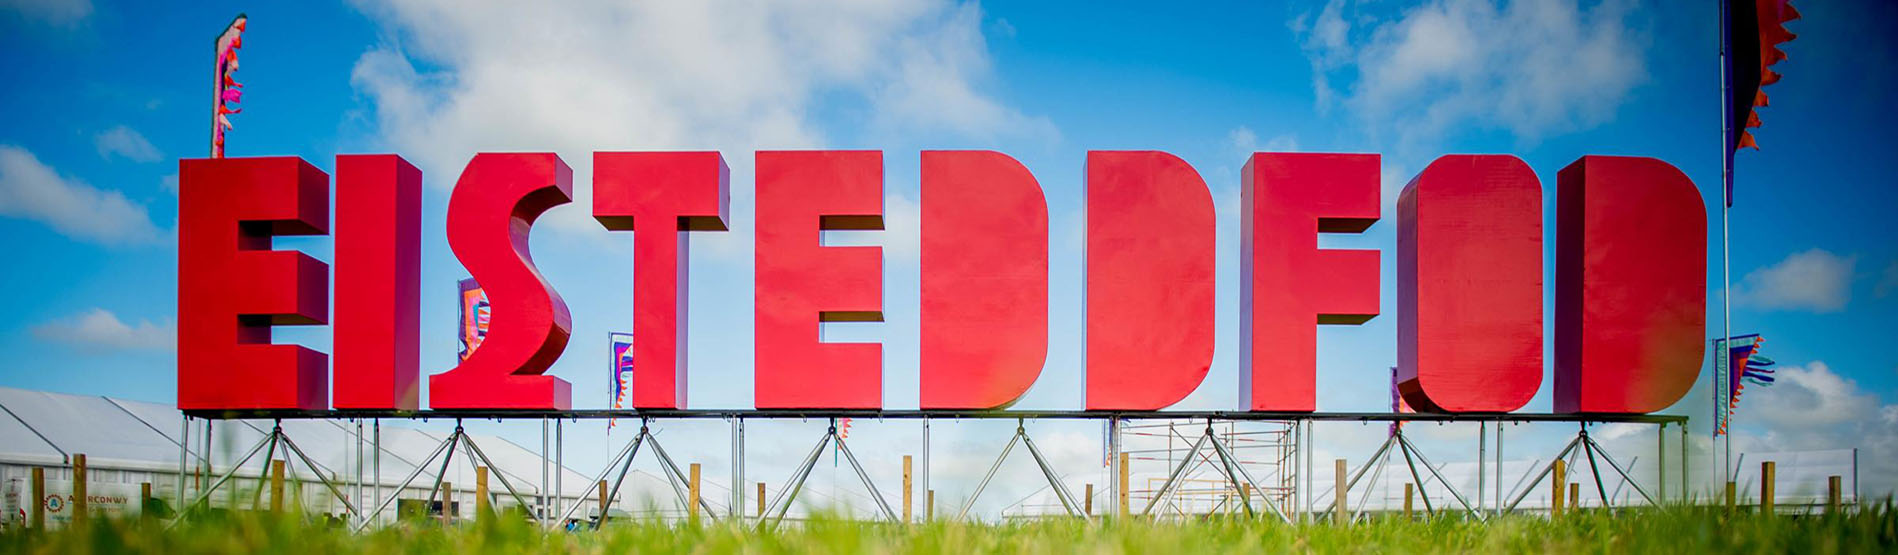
{"x":227,"y":90}
{"x":621,"y":371}
{"x":1754,"y":30}
{"x":1743,"y":364}
{"x":474,"y":316}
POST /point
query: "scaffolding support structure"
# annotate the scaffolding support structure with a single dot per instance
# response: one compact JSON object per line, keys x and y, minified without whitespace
{"x":1213,"y":463}
{"x":1061,"y":492}
{"x":624,"y":460}
{"x":269,"y":445}
{"x":781,"y":504}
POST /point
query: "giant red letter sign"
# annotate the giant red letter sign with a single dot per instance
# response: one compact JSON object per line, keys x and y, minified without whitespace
{"x":1469,"y":285}
{"x":378,"y":282}
{"x":668,"y":193}
{"x":1286,"y":283}
{"x":489,"y":214}
{"x":1150,"y":249}
{"x":1630,"y":285}
{"x":801,"y":283}
{"x":232,"y":288}
{"x":984,"y":280}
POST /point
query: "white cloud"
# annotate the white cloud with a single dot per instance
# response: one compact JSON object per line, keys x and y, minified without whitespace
{"x":1814,"y":280}
{"x":57,"y":12}
{"x":574,"y":78}
{"x":1532,"y":68}
{"x":1810,"y":408}
{"x":100,"y":329}
{"x":1804,"y":397}
{"x":934,"y":85}
{"x":31,"y":190}
{"x":127,"y":143}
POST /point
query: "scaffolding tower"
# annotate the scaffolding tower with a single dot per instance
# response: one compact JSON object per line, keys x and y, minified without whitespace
{"x":1267,"y":449}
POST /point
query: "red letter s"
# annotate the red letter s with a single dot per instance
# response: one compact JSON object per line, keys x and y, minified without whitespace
{"x":489,"y":215}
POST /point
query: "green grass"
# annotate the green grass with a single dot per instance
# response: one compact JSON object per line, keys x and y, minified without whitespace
{"x":1693,"y":530}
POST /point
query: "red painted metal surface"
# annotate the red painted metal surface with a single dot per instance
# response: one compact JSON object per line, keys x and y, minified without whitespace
{"x":378,"y":283}
{"x":667,"y":194}
{"x":232,"y":288}
{"x":1630,"y":285}
{"x":1287,"y":284}
{"x":1150,"y":249}
{"x":801,"y":283}
{"x":984,"y":280}
{"x":493,"y":207}
{"x":1469,"y":285}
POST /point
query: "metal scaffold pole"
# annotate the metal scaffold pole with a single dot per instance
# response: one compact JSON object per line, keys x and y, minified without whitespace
{"x":1499,"y":468}
{"x":738,"y":469}
{"x":542,"y":512}
{"x":184,"y":454}
{"x":1482,"y":452}
{"x":927,"y":498}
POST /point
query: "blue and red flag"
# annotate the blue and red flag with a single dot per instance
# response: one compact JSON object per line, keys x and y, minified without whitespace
{"x":1754,"y":31}
{"x":621,"y":372}
{"x":1745,"y":365}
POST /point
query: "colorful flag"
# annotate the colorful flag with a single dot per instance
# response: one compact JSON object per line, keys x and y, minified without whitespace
{"x":1743,"y":365}
{"x":474,"y":316}
{"x":621,"y":371}
{"x":226,"y":90}
{"x":1755,"y":29}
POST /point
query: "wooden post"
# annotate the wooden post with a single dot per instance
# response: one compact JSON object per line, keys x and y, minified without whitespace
{"x":276,"y":485}
{"x":692,"y":505}
{"x":906,"y":490}
{"x":448,"y":503}
{"x":481,"y":492}
{"x":760,"y":499}
{"x":1574,"y":496}
{"x":1087,"y":506}
{"x":144,"y":498}
{"x":79,"y":489}
{"x":1409,"y":490}
{"x":39,"y":498}
{"x":602,"y":490}
{"x":1732,"y":496}
{"x":929,"y":505}
{"x":1560,"y":481}
{"x":1766,"y":487}
{"x":1122,"y":492}
{"x":1833,"y":495}
{"x":1341,"y":508}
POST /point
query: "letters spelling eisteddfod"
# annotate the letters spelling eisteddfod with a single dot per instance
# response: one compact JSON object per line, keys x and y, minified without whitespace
{"x":1630,"y":268}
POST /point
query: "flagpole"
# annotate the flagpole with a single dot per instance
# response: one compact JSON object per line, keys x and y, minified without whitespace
{"x":1722,"y":403}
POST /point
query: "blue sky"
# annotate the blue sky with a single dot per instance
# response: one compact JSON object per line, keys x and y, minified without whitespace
{"x":104,"y":98}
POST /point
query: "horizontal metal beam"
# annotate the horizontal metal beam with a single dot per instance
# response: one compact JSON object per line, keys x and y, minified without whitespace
{"x":595,"y":414}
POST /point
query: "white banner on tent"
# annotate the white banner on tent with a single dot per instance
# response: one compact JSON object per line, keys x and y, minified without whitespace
{"x":105,"y":500}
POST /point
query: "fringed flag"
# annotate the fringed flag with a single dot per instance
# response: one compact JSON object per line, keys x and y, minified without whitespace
{"x":228,"y":90}
{"x":621,"y":372}
{"x":1745,"y":365}
{"x":1755,"y":29}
